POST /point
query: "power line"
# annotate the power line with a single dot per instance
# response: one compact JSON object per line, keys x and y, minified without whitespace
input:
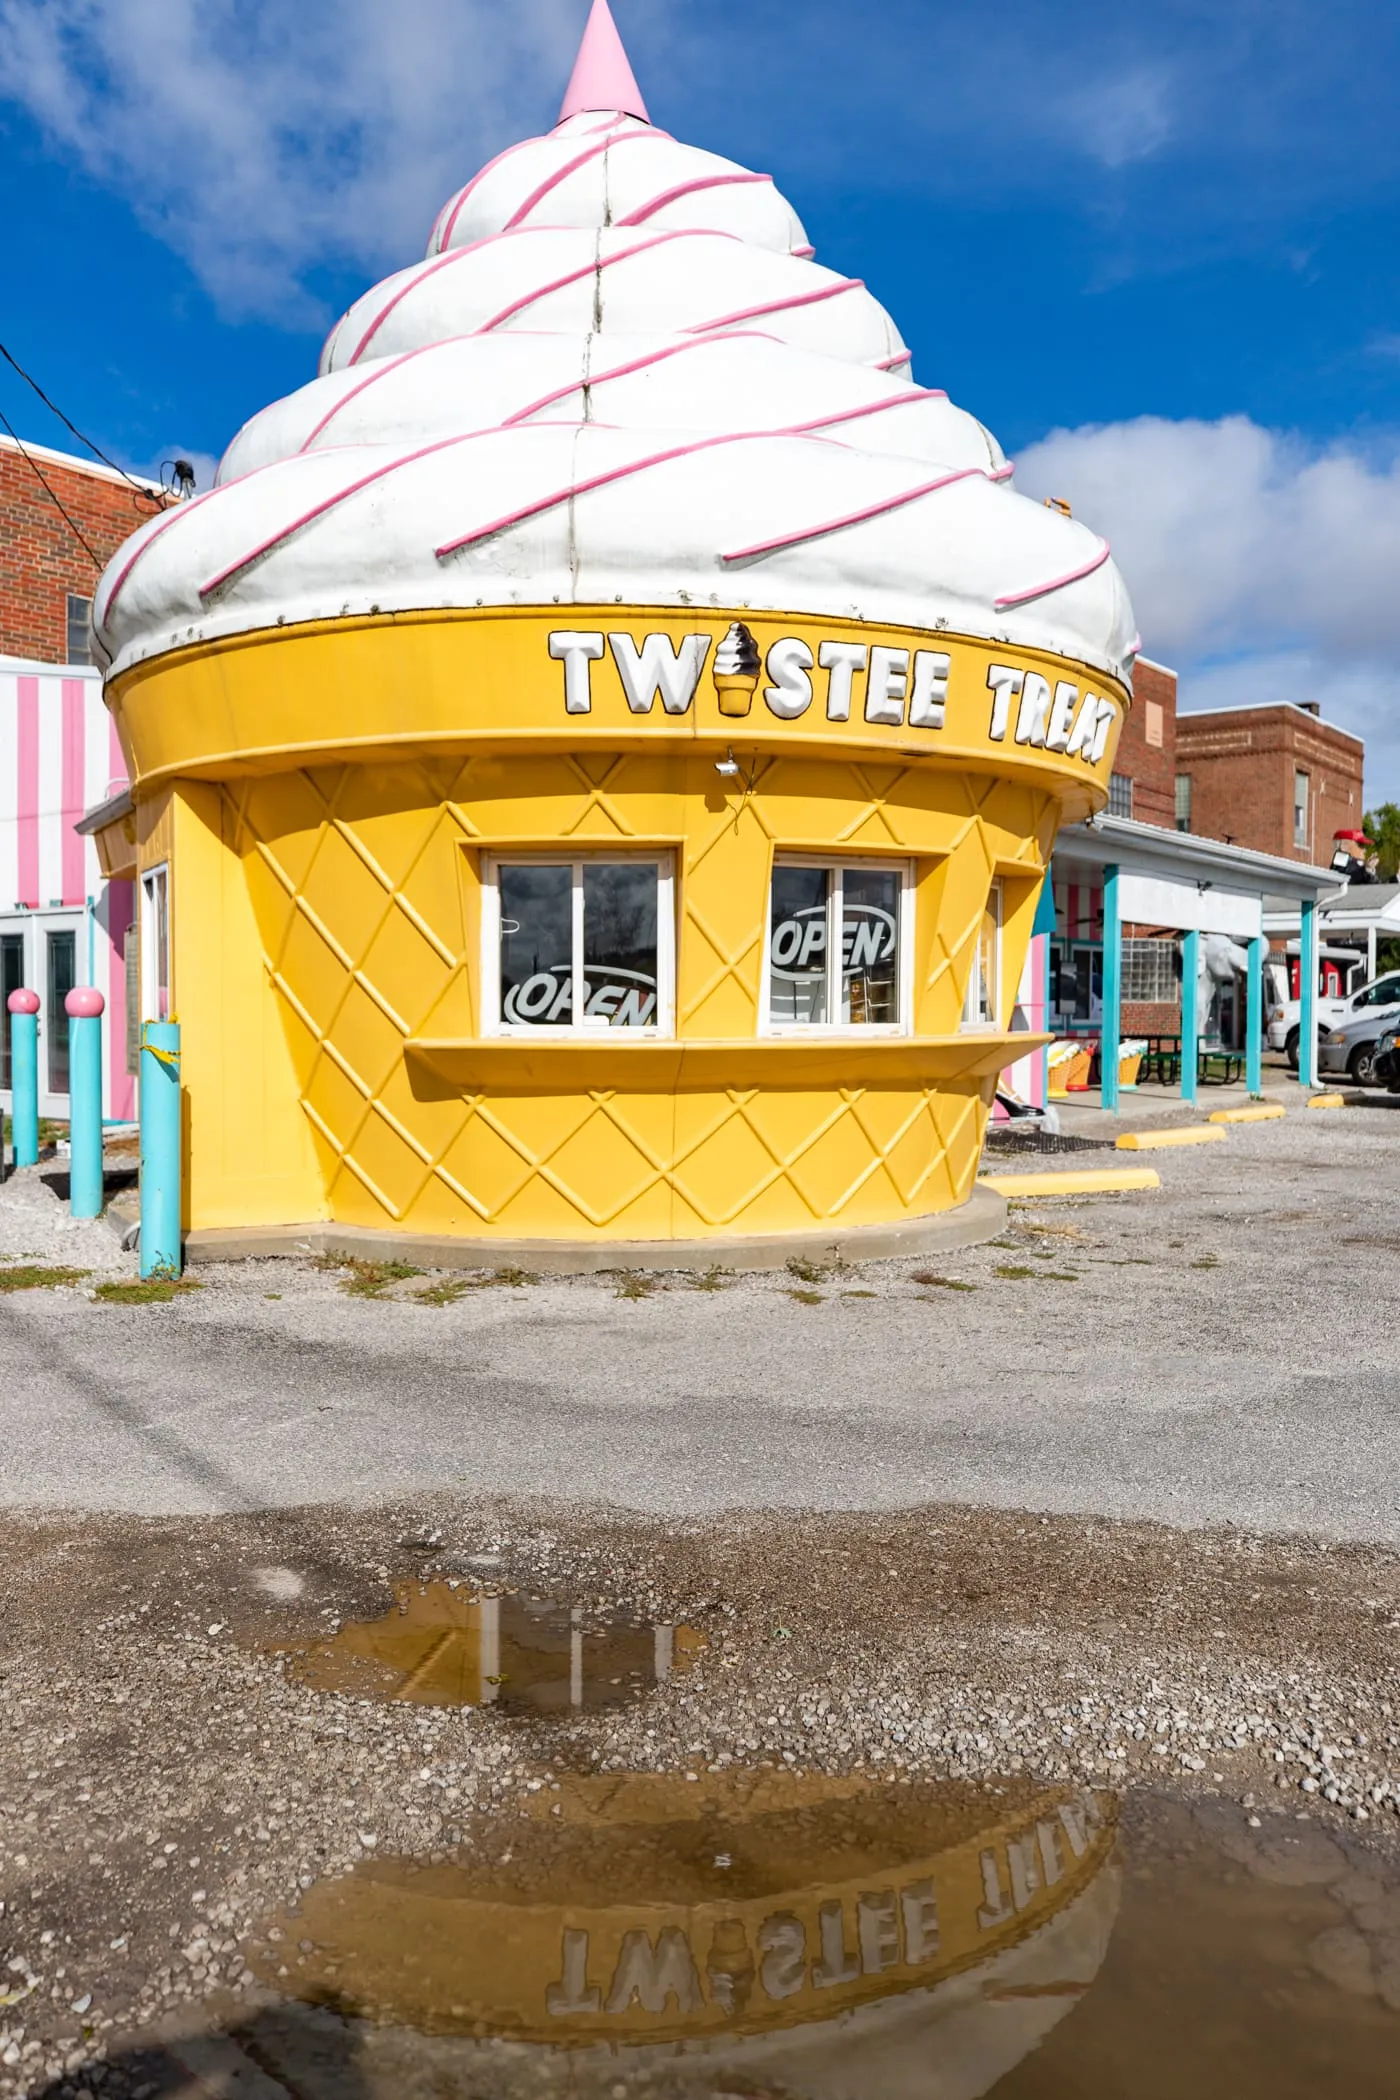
{"x":97,"y":563}
{"x":55,"y":410}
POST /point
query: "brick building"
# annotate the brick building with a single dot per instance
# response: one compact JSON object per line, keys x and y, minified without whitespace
{"x":47,"y":576}
{"x":1144,"y":778}
{"x":1276,"y":778}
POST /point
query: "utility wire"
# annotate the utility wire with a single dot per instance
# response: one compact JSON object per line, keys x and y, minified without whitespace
{"x":98,"y":564}
{"x":54,"y":409}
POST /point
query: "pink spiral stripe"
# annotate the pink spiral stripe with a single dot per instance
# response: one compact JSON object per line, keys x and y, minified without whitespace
{"x":803,"y":254}
{"x":476,"y":181}
{"x":686,"y":189}
{"x":887,"y":364}
{"x":381,"y":371}
{"x":603,"y":262}
{"x":779,"y":306}
{"x":869,"y":408}
{"x":638,"y":364}
{"x":596,"y":481}
{"x":420,"y":276}
{"x":570,"y":167}
{"x":1134,"y":647}
{"x":857,"y":517}
{"x":1056,"y":583}
{"x":173,"y":516}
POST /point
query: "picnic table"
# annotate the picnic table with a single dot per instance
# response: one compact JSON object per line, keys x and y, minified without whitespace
{"x":1215,"y":1062}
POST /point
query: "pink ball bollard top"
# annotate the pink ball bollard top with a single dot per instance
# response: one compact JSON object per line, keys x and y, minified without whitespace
{"x":23,"y":1002}
{"x":84,"y":1003}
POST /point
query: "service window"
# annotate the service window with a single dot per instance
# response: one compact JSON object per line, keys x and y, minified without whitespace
{"x":837,"y":949}
{"x":578,"y":946}
{"x":155,"y":944}
{"x":981,"y":1008}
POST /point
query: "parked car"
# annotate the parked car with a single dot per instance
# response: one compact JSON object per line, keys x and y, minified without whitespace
{"x":1336,"y":971}
{"x":1352,"y":1046}
{"x":1386,"y":1066}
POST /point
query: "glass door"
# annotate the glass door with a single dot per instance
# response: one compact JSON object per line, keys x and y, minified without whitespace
{"x":61,"y":974}
{"x":11,"y":978}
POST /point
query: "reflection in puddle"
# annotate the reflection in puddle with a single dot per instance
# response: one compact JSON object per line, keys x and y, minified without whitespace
{"x":832,"y":1938}
{"x":440,"y":1645}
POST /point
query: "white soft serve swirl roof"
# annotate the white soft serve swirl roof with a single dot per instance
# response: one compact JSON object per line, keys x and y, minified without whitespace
{"x":618,"y":376}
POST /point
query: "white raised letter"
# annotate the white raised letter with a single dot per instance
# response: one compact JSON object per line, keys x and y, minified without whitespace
{"x":884,"y":689}
{"x":1107,"y":717}
{"x":654,"y":1974}
{"x":658,"y":664}
{"x":837,"y":1964}
{"x":877,"y":1932}
{"x":1035,"y":709}
{"x":929,"y":695}
{"x":841,"y":659}
{"x":571,"y":1994}
{"x":1005,"y":685}
{"x":576,"y":652}
{"x":1085,"y":723}
{"x":1057,"y":735}
{"x":782,"y":1942}
{"x":919,"y":1908}
{"x":790,"y":694}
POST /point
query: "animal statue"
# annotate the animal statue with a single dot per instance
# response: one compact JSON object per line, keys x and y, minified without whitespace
{"x":1222,"y":960}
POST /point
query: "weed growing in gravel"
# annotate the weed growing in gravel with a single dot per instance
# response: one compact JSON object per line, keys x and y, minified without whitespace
{"x":514,"y":1279}
{"x":1017,"y":1272}
{"x":156,"y":1290}
{"x":807,"y":1271}
{"x":714,"y":1279}
{"x":444,"y":1293}
{"x":807,"y":1297}
{"x":31,"y":1277}
{"x":370,"y":1279}
{"x":632,"y":1285}
{"x":859,"y":1294}
{"x":942,"y":1283}
{"x":1206,"y":1261}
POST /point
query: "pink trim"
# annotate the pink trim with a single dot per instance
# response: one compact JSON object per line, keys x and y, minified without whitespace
{"x":176,"y":512}
{"x":27,"y":784}
{"x":1057,"y":583}
{"x":381,"y":371}
{"x":596,"y":481}
{"x":854,"y":517}
{"x":803,"y":254}
{"x":638,"y":364}
{"x":72,"y":796}
{"x":868,"y":408}
{"x":604,"y":262}
{"x":602,"y":77}
{"x":570,"y":167}
{"x":1134,"y":647}
{"x":477,"y":179}
{"x":120,"y":902}
{"x":686,"y":189}
{"x":779,"y":306}
{"x":420,"y":275}
{"x":887,"y":364}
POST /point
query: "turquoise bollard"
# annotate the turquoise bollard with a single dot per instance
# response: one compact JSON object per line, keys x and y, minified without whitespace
{"x":84,"y":1007}
{"x":161,"y":1145}
{"x":24,"y":1075}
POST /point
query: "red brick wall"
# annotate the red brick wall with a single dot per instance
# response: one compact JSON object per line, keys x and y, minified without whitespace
{"x":1241,"y":762}
{"x":40,"y":559}
{"x":1147,"y":747}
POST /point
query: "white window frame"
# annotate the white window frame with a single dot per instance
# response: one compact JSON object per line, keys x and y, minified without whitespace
{"x":857,"y":863}
{"x":578,"y":1029}
{"x":1302,"y":809}
{"x":150,"y":877}
{"x":972,"y":1021}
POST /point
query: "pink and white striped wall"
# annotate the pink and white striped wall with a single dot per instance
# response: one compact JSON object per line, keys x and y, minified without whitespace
{"x":59,"y":755}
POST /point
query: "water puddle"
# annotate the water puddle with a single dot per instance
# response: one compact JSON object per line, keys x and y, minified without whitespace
{"x":748,"y":1932}
{"x":441,"y":1644}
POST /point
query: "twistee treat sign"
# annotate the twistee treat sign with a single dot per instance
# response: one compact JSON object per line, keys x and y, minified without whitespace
{"x":890,"y":686}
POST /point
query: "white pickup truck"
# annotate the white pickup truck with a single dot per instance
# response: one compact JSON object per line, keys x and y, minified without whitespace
{"x":1337,"y":969}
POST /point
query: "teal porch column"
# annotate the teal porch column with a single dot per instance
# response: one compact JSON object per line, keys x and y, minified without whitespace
{"x":1254,"y":1018}
{"x":24,"y":1075}
{"x":1307,"y":994}
{"x":1190,"y":988}
{"x":1112,"y":1034}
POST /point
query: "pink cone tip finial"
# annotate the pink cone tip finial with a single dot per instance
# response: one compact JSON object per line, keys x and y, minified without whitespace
{"x":84,"y":1003}
{"x":602,"y":78}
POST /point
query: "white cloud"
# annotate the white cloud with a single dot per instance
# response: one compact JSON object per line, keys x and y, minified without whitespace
{"x":261,"y":139}
{"x":1261,"y":567}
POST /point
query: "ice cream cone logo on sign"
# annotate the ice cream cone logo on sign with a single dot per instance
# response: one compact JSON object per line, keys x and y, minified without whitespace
{"x":737,"y":664}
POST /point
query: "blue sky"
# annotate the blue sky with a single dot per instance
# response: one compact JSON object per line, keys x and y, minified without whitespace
{"x":1153,"y":246}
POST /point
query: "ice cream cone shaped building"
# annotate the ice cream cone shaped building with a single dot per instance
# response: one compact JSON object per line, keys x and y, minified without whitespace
{"x":600,"y":740}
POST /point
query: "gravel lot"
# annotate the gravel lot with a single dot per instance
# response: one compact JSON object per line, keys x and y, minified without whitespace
{"x":920,"y":1523}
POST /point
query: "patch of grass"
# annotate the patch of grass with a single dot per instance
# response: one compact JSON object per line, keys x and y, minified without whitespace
{"x":807,"y":1297}
{"x":807,"y":1271}
{"x":446,"y":1293}
{"x":859,"y":1294}
{"x":1017,"y":1272}
{"x":369,"y":1279}
{"x":715,"y":1279}
{"x":941,"y":1283}
{"x":274,"y":1295}
{"x":155,"y":1290}
{"x":1206,"y":1261}
{"x":513,"y":1279}
{"x":31,"y":1276}
{"x":631,"y":1284}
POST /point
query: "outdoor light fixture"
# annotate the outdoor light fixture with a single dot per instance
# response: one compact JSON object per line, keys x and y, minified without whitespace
{"x":729,"y":768}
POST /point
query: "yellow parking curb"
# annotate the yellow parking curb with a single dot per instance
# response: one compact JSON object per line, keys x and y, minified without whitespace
{"x":1149,"y":1140}
{"x":1266,"y":1113}
{"x":1327,"y":1101}
{"x":1091,"y":1181}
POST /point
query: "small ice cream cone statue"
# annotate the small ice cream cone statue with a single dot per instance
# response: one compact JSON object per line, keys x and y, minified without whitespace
{"x":736,"y":670}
